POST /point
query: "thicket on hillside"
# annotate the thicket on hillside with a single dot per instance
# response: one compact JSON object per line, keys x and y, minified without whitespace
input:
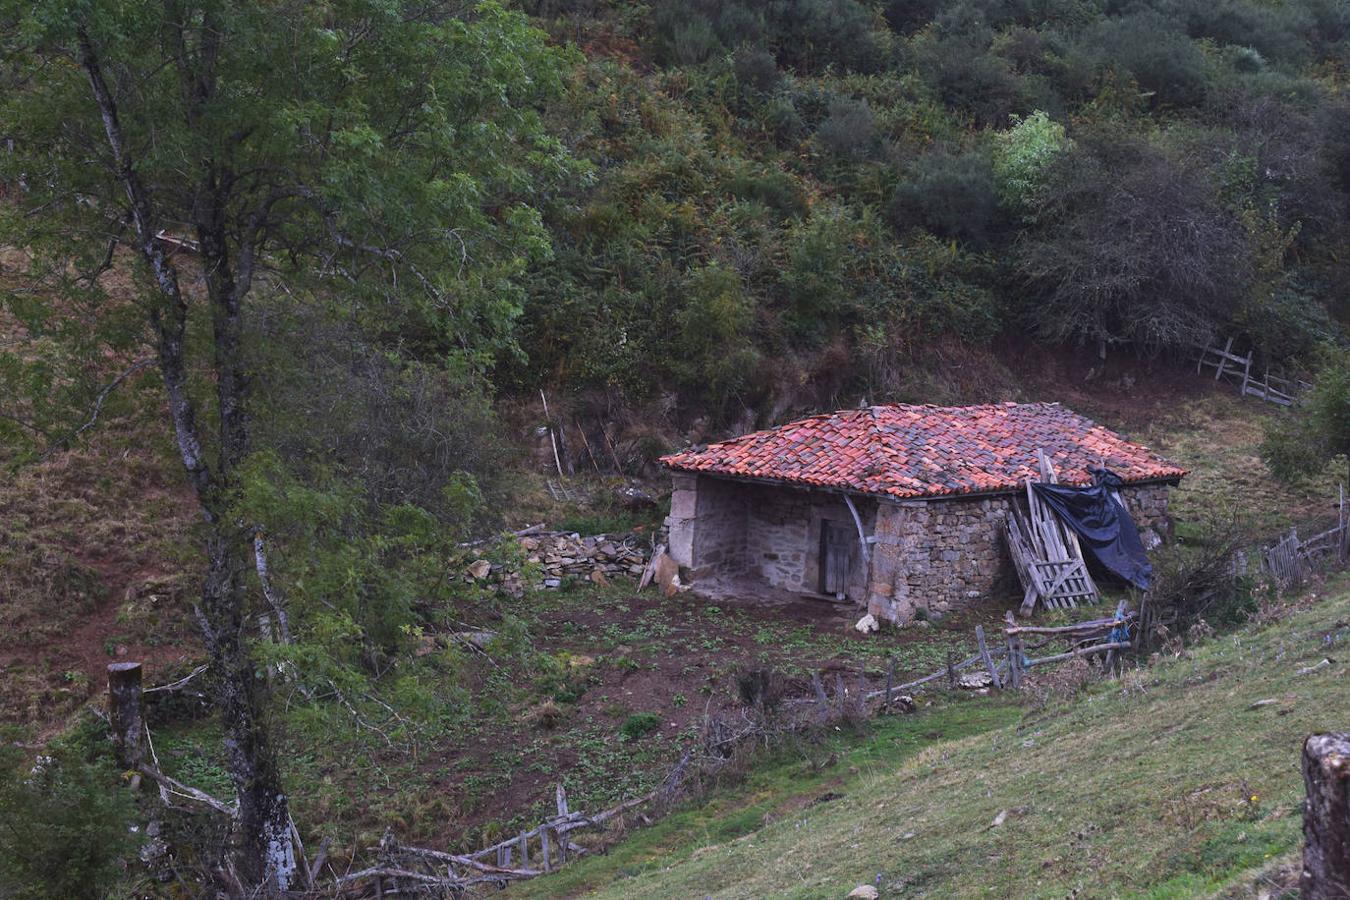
{"x":1146,"y":174}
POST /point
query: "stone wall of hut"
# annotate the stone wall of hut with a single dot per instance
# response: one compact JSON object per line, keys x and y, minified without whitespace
{"x":931,"y":555}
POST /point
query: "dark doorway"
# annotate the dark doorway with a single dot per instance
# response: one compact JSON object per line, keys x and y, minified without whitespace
{"x":836,"y":557}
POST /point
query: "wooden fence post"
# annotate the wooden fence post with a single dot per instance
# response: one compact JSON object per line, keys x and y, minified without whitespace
{"x":988,"y":660}
{"x":1326,"y":817}
{"x":125,"y":713}
{"x":822,"y":703}
{"x":1014,"y":653}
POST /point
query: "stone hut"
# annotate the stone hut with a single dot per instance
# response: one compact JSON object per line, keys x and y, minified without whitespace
{"x":897,"y":508}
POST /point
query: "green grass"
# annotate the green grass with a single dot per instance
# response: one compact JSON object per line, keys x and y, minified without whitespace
{"x":777,"y":789}
{"x":1218,"y":438}
{"x":1165,"y":783}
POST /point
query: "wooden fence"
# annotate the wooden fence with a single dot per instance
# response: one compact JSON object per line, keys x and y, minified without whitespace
{"x":1292,"y":560}
{"x":1237,"y":370}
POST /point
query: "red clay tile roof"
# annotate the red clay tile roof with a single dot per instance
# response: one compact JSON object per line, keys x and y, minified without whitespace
{"x":928,"y":451}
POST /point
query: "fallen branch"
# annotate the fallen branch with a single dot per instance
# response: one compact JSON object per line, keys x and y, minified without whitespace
{"x":98,"y":403}
{"x":1082,"y":651}
{"x":179,"y":684}
{"x":186,"y":791}
{"x":469,"y":862}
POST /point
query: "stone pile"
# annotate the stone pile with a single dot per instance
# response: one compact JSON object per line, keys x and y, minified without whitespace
{"x":598,"y":558}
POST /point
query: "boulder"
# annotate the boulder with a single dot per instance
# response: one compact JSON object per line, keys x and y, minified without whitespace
{"x":974,"y":681}
{"x":480,"y":569}
{"x":867,"y":624}
{"x":865,"y":892}
{"x":479,"y":639}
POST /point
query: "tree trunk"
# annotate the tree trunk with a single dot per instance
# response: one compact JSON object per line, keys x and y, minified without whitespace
{"x":266,"y":853}
{"x":1326,"y":817}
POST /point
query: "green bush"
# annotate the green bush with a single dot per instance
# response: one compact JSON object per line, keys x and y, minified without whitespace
{"x":1022,"y":160}
{"x":64,"y":826}
{"x":1307,"y":438}
{"x":1163,"y":60}
{"x":849,"y":132}
{"x":639,"y":725}
{"x":951,"y":196}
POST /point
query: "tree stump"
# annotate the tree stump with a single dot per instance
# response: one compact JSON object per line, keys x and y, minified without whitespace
{"x":1326,"y":817}
{"x":125,"y":715}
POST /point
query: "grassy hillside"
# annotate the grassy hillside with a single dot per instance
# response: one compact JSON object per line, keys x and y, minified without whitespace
{"x":1178,"y":780}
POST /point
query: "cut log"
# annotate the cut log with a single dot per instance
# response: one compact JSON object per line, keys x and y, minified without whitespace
{"x":1326,"y":817}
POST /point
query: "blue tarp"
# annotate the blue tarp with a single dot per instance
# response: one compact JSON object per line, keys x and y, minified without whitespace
{"x":1102,"y":524}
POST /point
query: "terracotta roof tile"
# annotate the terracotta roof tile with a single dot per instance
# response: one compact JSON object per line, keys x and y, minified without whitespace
{"x":928,"y":451}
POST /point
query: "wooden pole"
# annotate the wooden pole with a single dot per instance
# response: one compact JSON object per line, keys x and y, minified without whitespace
{"x":612,"y":454}
{"x":862,"y":536}
{"x":587,"y":444}
{"x":822,"y":703}
{"x":125,"y":713}
{"x":1014,"y":654}
{"x":557,"y":461}
{"x":988,"y":660}
{"x":1326,"y":817}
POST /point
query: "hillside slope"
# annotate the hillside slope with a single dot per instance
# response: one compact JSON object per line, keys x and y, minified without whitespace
{"x":1178,"y":780}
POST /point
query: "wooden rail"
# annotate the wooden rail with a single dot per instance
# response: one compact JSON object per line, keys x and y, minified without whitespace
{"x":1237,"y":370}
{"x":1291,"y":560}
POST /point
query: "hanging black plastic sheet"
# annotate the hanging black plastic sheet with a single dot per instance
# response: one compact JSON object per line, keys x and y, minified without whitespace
{"x":1102,"y":524}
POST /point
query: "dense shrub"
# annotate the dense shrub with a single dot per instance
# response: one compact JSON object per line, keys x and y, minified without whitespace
{"x":64,"y":825}
{"x":1309,"y":437}
{"x":951,"y":196}
{"x":777,"y":190}
{"x":839,"y":180}
{"x":639,"y":725}
{"x":714,"y":347}
{"x":756,"y":69}
{"x":1023,"y":158}
{"x":1163,"y":60}
{"x":849,"y":132}
{"x":805,"y":35}
{"x":1134,"y":245}
{"x":972,"y":80}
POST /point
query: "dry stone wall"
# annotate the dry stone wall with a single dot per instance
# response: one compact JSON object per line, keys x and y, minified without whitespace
{"x":556,"y":556}
{"x":783,"y":530}
{"x":940,"y":555}
{"x":1147,"y":504}
{"x":936,"y":556}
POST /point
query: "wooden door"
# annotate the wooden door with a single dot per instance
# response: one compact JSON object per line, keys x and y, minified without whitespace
{"x":837,"y":541}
